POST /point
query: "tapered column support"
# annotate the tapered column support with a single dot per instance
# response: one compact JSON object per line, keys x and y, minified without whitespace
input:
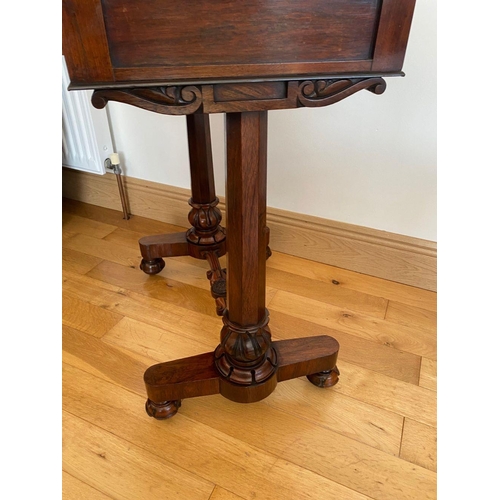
{"x":206,"y":239}
{"x":245,"y":357}
{"x":247,"y":364}
{"x":205,"y":216}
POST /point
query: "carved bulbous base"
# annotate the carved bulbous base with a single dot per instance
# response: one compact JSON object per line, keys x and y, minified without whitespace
{"x":152,"y":266}
{"x":162,"y":411}
{"x":205,"y":219}
{"x":326,"y":378}
{"x":245,"y":355}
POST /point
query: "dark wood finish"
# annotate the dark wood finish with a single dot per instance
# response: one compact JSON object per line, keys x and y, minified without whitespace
{"x":241,"y":58}
{"x":167,"y":383}
{"x":118,"y":41}
{"x":327,"y":378}
{"x":231,"y":33}
{"x":393,"y":33}
{"x":206,"y":239}
{"x":229,"y":98}
{"x":85,"y":45}
{"x":245,"y":357}
{"x":212,"y":73}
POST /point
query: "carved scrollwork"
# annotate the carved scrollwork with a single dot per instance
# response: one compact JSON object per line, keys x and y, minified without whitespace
{"x":315,"y":93}
{"x":175,"y":100}
{"x":187,"y":99}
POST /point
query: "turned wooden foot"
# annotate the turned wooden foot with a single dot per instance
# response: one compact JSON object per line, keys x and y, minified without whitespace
{"x":162,"y":411}
{"x":326,"y":378}
{"x":153,"y":266}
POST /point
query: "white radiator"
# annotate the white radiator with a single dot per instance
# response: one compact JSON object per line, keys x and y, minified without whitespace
{"x":86,"y":137}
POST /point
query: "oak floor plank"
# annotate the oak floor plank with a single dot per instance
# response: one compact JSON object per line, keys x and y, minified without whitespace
{"x":411,"y":315}
{"x":371,"y":285}
{"x":222,"y":494}
{"x":357,"y":350}
{"x":353,"y":464}
{"x":106,"y":361}
{"x":146,"y":309}
{"x":158,"y":287}
{"x":83,"y":225}
{"x":158,"y":344}
{"x":212,"y":455}
{"x":373,"y":388}
{"x":93,"y":455}
{"x":114,"y":217}
{"x":419,"y":341}
{"x":350,"y":417}
{"x":428,"y":374}
{"x":327,"y":292}
{"x":104,"y":250}
{"x":419,"y":444}
{"x":89,"y":318}
{"x":74,"y":489}
{"x":78,"y":262}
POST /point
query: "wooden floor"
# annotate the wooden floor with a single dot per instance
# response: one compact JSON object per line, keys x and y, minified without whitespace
{"x":373,"y":435}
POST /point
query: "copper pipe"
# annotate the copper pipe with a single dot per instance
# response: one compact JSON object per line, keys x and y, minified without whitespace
{"x":123,"y":199}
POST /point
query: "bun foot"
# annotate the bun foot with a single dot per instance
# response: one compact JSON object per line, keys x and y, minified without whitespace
{"x":162,"y":411}
{"x":327,"y":378}
{"x":152,"y":266}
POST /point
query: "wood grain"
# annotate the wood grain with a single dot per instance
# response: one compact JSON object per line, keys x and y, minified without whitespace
{"x":384,"y":392}
{"x":93,"y":455}
{"x":380,"y":331}
{"x":419,"y":444}
{"x":74,"y":489}
{"x":78,"y":262}
{"x":83,"y":225}
{"x":92,"y":319}
{"x":207,"y":453}
{"x":364,"y":283}
{"x":186,"y":296}
{"x":106,"y":361}
{"x":363,"y":352}
{"x":222,"y":494}
{"x":411,"y":316}
{"x":104,"y":250}
{"x":428,"y":374}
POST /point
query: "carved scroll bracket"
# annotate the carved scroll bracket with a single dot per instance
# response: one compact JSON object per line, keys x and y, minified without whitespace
{"x":175,"y":100}
{"x":314,"y":93}
{"x":238,"y":97}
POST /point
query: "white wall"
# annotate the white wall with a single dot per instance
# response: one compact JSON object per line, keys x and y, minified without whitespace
{"x":368,"y":160}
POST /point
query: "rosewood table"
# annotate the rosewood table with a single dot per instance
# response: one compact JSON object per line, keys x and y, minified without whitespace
{"x":242,"y":58}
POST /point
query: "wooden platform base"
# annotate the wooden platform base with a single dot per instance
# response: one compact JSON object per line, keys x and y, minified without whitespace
{"x":168,"y":383}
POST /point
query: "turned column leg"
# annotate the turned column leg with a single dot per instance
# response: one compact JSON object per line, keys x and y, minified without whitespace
{"x":206,"y":234}
{"x":245,"y":358}
{"x":204,"y":216}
